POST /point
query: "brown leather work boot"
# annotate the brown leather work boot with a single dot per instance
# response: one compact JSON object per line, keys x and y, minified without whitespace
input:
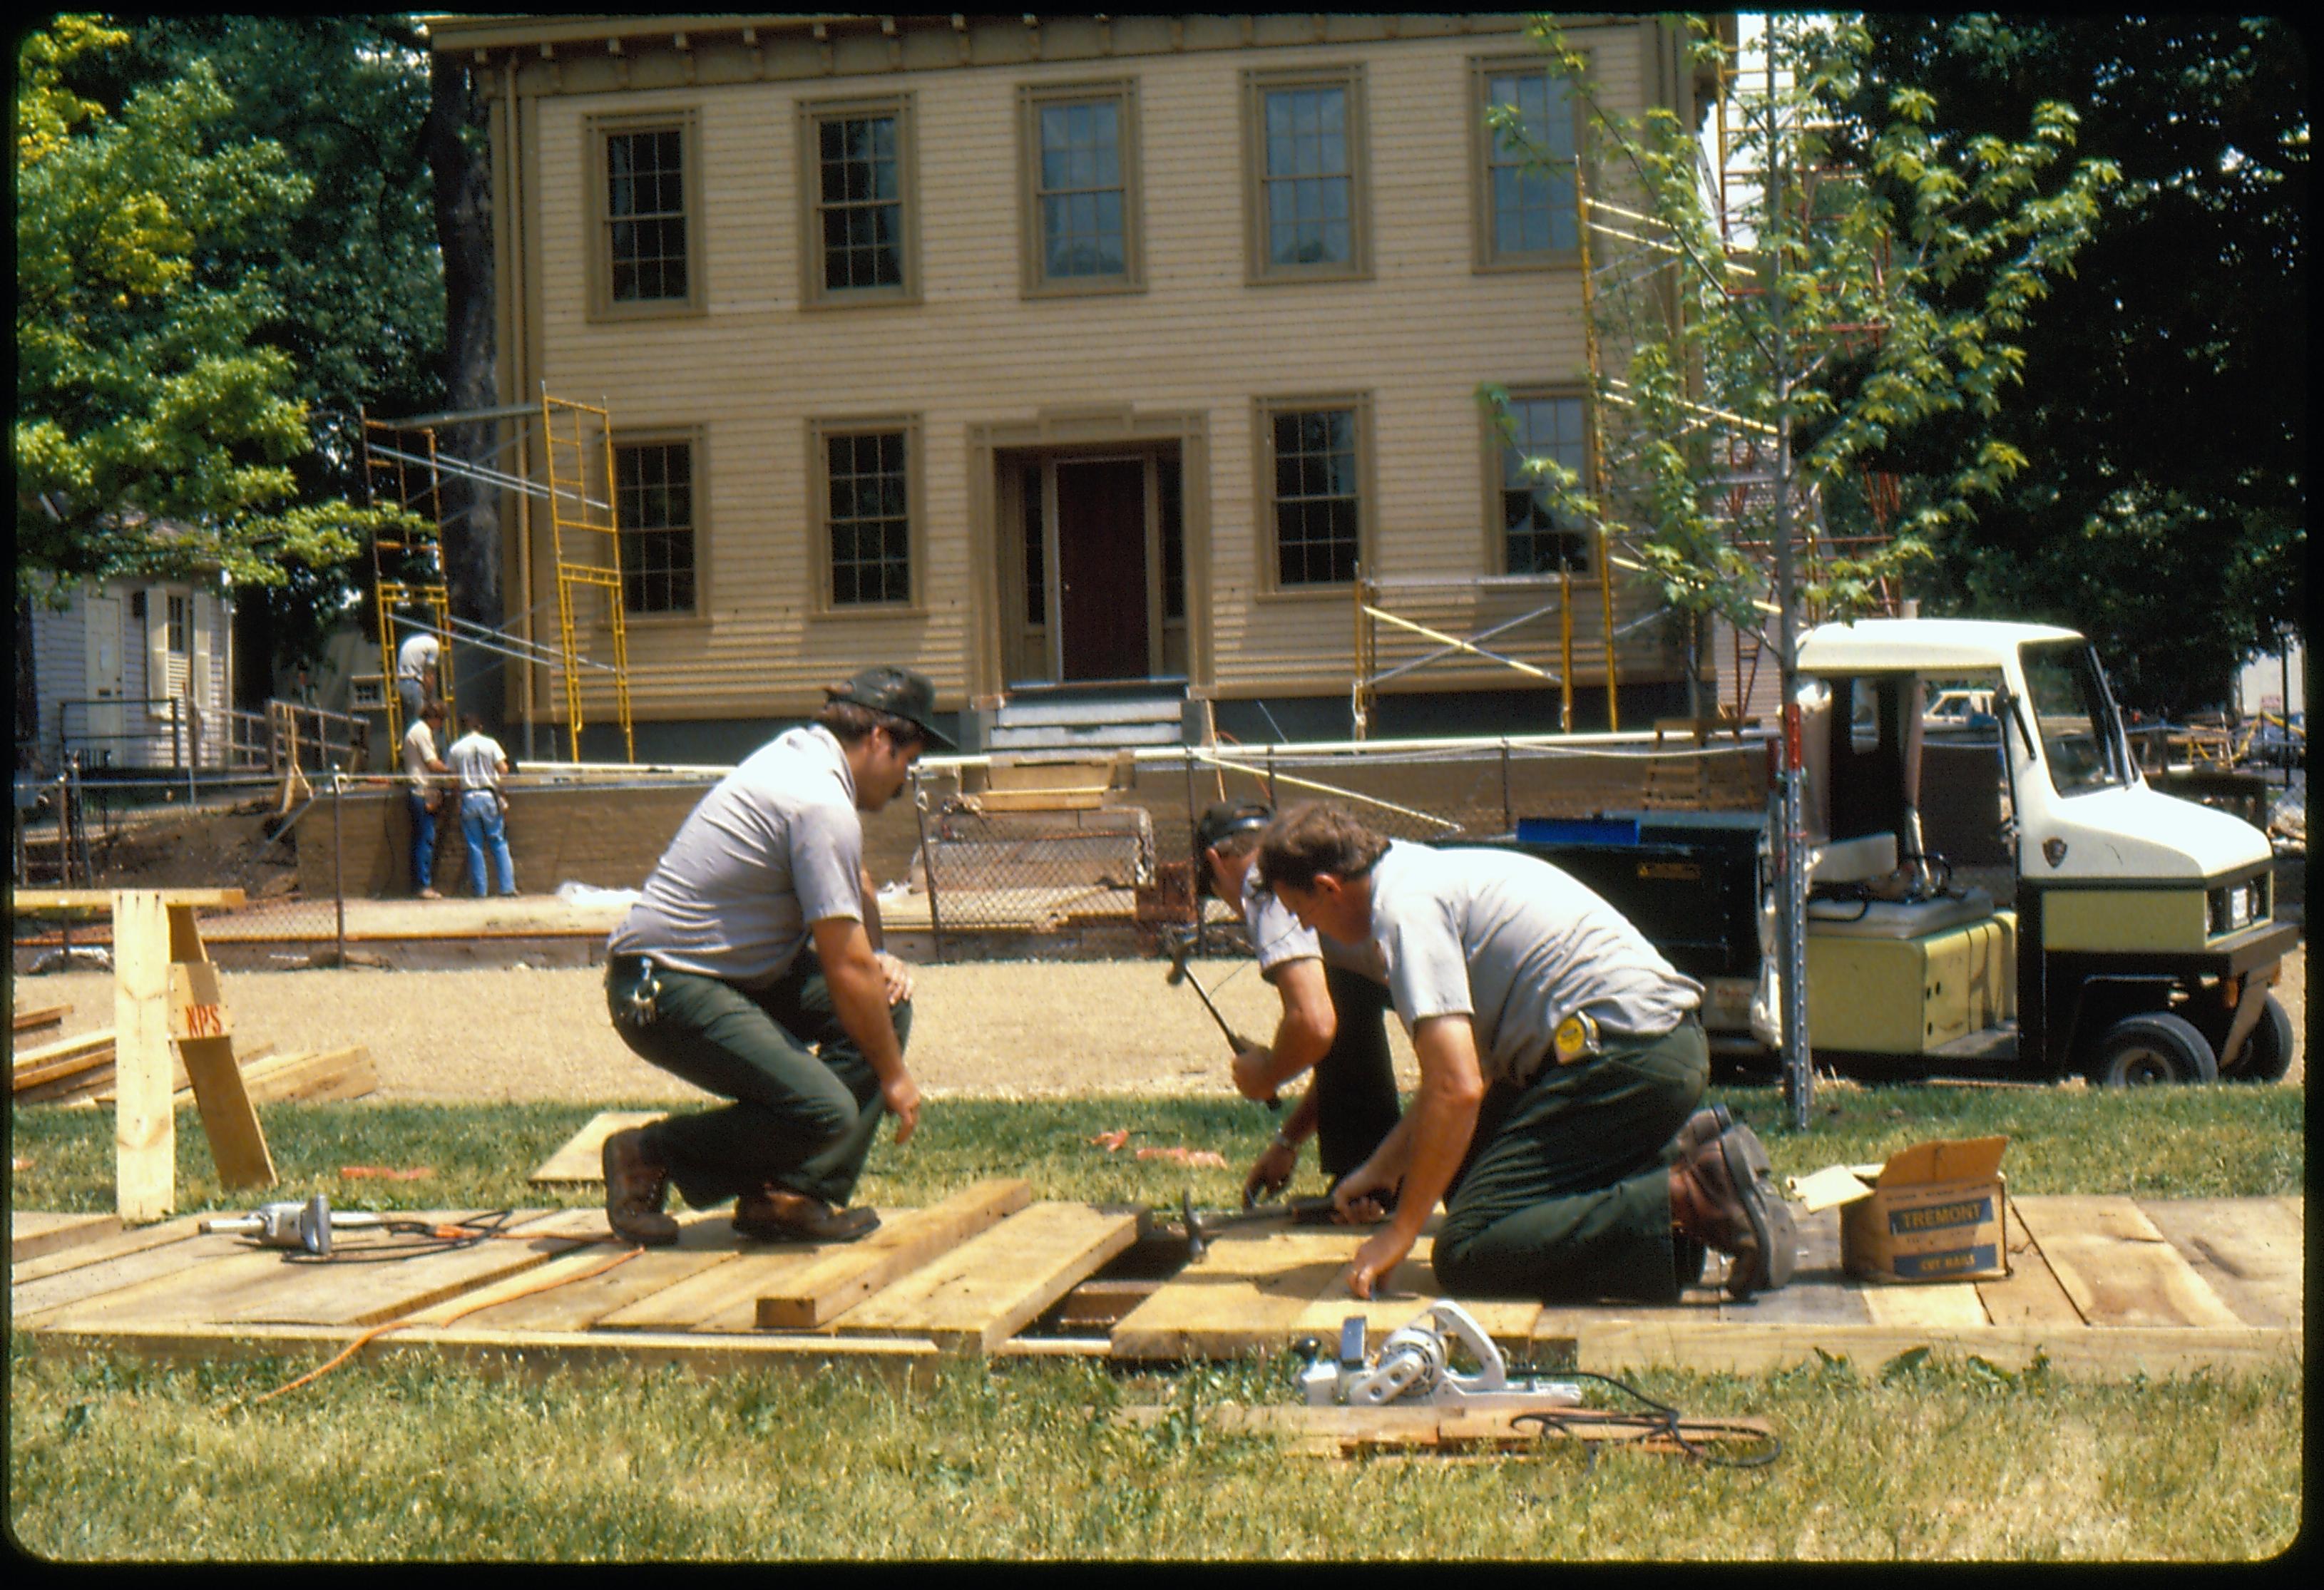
{"x":1702,"y":1127}
{"x":634,"y":1188}
{"x":1721,"y":1197}
{"x":774,"y":1214}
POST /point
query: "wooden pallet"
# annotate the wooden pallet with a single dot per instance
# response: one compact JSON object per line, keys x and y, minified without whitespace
{"x":2103,"y":1287}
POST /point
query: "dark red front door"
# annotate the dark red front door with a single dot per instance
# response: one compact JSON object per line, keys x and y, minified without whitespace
{"x":1102,"y":570}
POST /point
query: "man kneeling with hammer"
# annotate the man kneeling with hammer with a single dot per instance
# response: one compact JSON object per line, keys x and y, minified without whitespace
{"x":1561,"y":1063}
{"x":751,"y":965}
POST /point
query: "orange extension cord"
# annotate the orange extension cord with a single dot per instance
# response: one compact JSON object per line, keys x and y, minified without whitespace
{"x":377,"y":1331}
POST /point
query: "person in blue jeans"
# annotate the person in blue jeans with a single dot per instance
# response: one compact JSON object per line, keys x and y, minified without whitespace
{"x":480,"y":765}
{"x":423,"y":796}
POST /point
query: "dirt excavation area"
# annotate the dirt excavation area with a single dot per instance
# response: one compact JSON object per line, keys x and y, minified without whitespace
{"x":1001,"y":1029}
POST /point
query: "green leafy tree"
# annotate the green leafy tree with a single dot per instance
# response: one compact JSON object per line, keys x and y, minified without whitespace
{"x":2163,"y":402}
{"x":1766,"y":339}
{"x":1748,"y":387}
{"x":156,"y":428}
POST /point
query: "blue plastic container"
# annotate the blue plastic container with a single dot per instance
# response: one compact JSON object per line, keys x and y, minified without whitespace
{"x":1578,"y":831}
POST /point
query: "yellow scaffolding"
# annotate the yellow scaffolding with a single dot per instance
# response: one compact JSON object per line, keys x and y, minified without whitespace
{"x":414,"y":483}
{"x":570,"y":511}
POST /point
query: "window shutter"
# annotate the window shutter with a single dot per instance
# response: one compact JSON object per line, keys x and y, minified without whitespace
{"x":155,"y":688}
{"x":198,"y":690}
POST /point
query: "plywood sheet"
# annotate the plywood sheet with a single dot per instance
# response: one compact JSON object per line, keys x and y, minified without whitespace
{"x":347,"y":1290}
{"x":101,"y":1249}
{"x":842,"y":1276}
{"x":2251,"y":1251}
{"x":32,"y":1234}
{"x":2030,"y":1293}
{"x":691,"y":1301}
{"x":989,"y":1288}
{"x":582,"y":1156}
{"x":2117,"y":1267}
{"x":1403,"y":1296}
{"x":1944,"y":1305}
{"x":1247,"y":1295}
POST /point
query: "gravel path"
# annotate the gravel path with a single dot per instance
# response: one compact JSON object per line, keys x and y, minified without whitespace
{"x":1020,"y":1029}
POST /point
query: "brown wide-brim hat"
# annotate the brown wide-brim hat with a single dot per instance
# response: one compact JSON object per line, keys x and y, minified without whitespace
{"x":900,"y":693}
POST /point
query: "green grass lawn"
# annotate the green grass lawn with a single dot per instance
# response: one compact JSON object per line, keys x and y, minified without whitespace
{"x":396,"y":1456}
{"x":2223,"y":1141}
{"x":111,"y":1459}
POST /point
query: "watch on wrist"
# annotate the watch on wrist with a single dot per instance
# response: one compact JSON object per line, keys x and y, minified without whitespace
{"x":1284,"y":1144}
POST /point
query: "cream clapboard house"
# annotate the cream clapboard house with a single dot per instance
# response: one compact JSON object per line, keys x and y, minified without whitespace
{"x":131,"y":674}
{"x":1032,"y":352}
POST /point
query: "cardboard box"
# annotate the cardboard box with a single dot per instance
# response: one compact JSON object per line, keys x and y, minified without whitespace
{"x":1935,"y":1211}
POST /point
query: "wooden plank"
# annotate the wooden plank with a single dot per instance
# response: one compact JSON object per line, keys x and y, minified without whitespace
{"x":2030,"y":1293}
{"x":1343,"y":1432}
{"x":2117,"y":1267}
{"x":187,"y":1281}
{"x":32,"y":1234}
{"x":101,"y":1250}
{"x":45,"y":1062}
{"x":992,"y":1286}
{"x":582,"y":1156}
{"x":843,"y":1277}
{"x":731,"y":1288}
{"x":1247,"y":1295}
{"x":144,"y":1126}
{"x":1944,"y":1305}
{"x":206,"y":1048}
{"x":229,"y":1120}
{"x":2078,"y":1351}
{"x":1402,"y":1295}
{"x":705,"y":1241}
{"x":2249,"y":1250}
{"x":32,"y":1017}
{"x":101,"y":900}
{"x":312,"y":1079}
{"x":344,"y":1290}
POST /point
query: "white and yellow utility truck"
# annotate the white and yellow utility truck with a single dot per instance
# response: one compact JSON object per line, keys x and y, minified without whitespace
{"x":2143,"y":943}
{"x":2139,"y":940}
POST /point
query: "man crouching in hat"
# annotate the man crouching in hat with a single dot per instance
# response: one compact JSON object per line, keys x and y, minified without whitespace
{"x":1333,"y":1023}
{"x":751,"y":965}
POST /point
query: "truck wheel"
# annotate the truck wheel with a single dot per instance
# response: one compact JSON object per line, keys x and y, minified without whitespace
{"x":2267,"y":1052}
{"x":2154,"y":1047}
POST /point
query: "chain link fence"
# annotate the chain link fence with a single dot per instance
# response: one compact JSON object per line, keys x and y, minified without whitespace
{"x":1032,"y":846}
{"x":996,"y":856}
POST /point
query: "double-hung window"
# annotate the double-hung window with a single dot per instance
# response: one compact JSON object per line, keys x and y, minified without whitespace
{"x":654,"y":495}
{"x":1307,"y":210}
{"x":1536,"y":539}
{"x":859,"y":184}
{"x":1079,"y":150}
{"x":865,"y":496}
{"x":1525,"y":215}
{"x":1314,"y":474}
{"x":645,"y":248}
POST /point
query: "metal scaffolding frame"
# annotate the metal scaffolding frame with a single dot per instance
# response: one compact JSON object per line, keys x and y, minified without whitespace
{"x":406,"y":457}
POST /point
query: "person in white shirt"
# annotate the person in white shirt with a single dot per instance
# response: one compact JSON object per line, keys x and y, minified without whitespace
{"x":415,"y":673}
{"x":480,"y":764}
{"x":1333,"y":1022}
{"x":422,"y":798}
{"x":1561,"y":1061}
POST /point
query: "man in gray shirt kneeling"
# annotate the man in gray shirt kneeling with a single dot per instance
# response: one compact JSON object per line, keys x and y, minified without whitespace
{"x":1560,"y":1064}
{"x":751,"y":965}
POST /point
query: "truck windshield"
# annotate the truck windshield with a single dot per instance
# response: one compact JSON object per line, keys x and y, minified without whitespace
{"x":2075,"y":717}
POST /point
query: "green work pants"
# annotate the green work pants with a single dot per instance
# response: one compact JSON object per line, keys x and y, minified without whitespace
{"x":807,"y":1104}
{"x":1355,"y":1082}
{"x":1565,"y":1194}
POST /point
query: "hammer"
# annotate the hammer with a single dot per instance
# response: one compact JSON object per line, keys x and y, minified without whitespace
{"x":1179,"y":974}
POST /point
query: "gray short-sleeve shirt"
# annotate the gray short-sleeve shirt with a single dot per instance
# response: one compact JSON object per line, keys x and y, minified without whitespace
{"x":775,"y":848}
{"x":1515,"y":945}
{"x":1277,"y":936}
